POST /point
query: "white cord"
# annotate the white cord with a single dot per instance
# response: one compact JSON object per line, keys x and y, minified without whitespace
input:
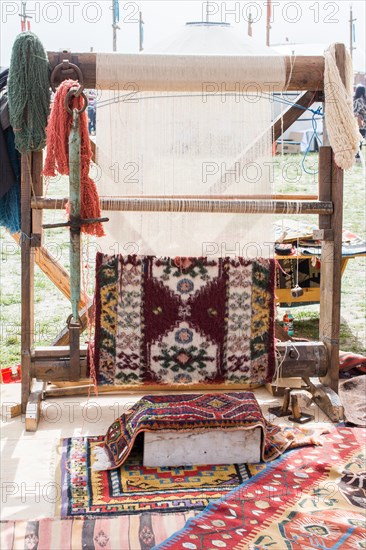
{"x":278,"y":371}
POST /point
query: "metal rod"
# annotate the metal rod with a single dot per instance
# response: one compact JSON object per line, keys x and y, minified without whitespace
{"x":181,"y":204}
{"x":69,"y":224}
{"x":74,"y":160}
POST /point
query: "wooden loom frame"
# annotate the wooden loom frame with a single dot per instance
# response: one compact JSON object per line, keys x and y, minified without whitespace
{"x":316,"y":362}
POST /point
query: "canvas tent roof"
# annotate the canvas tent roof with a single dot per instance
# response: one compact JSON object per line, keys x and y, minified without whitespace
{"x":211,"y":38}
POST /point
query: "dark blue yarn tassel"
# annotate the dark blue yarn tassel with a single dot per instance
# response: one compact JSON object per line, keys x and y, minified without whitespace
{"x":10,"y":202}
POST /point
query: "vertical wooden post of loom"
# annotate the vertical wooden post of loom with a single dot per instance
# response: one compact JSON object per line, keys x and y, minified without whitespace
{"x":74,"y":323}
{"x":37,"y":188}
{"x":331,"y":188}
{"x":27,"y":278}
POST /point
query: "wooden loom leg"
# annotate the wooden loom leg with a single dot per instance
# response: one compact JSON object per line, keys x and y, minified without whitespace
{"x":325,"y":389}
{"x":330,"y":313}
{"x":27,"y":279}
{"x":37,"y":189}
{"x":33,"y":411}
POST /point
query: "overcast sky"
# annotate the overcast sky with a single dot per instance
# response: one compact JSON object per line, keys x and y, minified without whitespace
{"x":82,"y":24}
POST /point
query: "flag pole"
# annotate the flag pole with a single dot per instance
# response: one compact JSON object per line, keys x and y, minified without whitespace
{"x":115,"y":16}
{"x":141,"y":32}
{"x":268,"y":27}
{"x":250,"y":23}
{"x":351,"y":31}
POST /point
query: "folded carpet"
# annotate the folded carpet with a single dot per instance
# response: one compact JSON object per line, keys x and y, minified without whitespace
{"x":194,"y":412}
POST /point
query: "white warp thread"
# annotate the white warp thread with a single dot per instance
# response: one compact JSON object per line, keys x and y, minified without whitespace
{"x":340,"y":121}
{"x":171,"y":144}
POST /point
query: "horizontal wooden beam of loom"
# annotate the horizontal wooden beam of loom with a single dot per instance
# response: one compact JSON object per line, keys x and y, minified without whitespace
{"x":203,"y":205}
{"x":191,"y":73}
{"x":59,"y":203}
{"x":298,"y":359}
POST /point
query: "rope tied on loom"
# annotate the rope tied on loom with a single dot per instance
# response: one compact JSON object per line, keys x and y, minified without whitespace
{"x":57,"y":157}
{"x":29,"y":92}
{"x":341,"y":124}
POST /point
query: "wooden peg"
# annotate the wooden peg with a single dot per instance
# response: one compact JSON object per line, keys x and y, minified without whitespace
{"x":284,"y":409}
{"x":297,"y":415}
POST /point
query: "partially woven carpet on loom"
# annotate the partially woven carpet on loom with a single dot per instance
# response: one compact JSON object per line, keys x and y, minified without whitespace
{"x":307,"y":499}
{"x":196,"y":412}
{"x":184,"y":321}
{"x":132,"y":488}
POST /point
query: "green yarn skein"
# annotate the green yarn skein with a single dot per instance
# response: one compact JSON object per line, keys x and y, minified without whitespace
{"x":29,"y":92}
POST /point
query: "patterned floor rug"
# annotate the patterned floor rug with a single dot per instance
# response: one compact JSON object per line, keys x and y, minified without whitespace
{"x":308,"y":499}
{"x":193,"y":412}
{"x":184,"y":321}
{"x":139,"y":532}
{"x":132,"y":489}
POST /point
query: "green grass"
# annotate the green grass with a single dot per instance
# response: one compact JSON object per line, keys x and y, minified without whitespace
{"x":52,"y":309}
{"x":353,"y":299}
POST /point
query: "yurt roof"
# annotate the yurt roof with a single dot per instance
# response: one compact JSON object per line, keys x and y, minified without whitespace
{"x":210,"y":38}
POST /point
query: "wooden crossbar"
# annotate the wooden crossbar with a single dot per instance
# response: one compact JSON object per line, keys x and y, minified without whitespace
{"x":171,"y":72}
{"x":199,"y":204}
{"x":59,"y":203}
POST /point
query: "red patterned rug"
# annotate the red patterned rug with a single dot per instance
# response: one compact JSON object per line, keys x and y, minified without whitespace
{"x":196,"y":412}
{"x":308,"y":499}
{"x":184,"y":321}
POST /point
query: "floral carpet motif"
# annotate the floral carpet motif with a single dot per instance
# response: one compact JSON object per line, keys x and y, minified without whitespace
{"x":132,"y":488}
{"x":308,"y":499}
{"x":192,"y":412}
{"x":184,"y":321}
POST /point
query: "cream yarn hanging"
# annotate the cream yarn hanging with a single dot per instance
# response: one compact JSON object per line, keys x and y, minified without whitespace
{"x":341,"y":124}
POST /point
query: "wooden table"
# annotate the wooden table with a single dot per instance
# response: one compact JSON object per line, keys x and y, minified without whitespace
{"x":283,"y":295}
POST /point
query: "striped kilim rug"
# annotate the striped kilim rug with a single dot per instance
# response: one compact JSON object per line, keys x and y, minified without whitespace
{"x":132,"y":488}
{"x":138,"y":532}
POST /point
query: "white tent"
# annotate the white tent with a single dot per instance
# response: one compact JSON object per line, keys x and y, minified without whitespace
{"x":211,"y":38}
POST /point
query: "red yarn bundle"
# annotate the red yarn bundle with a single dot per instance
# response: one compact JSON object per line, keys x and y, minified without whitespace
{"x":57,"y":156}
